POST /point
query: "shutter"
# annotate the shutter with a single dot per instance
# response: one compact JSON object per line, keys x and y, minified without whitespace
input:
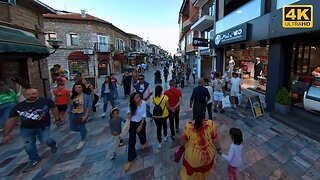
{"x":68,"y":39}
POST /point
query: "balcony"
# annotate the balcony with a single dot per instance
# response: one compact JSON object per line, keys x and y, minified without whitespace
{"x":205,"y":22}
{"x":103,"y":47}
{"x":198,"y":3}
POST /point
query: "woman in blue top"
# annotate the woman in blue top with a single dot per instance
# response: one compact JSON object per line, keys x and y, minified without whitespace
{"x":78,"y":110}
{"x":107,"y":93}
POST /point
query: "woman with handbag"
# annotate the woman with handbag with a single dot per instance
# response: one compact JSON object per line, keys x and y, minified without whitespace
{"x":78,"y":110}
{"x":201,"y":142}
{"x":136,"y":114}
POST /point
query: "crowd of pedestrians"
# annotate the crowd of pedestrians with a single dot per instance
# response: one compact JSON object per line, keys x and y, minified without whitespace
{"x":199,"y":138}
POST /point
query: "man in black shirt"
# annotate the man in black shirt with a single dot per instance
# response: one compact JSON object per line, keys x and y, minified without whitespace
{"x":35,"y":122}
{"x":199,"y":98}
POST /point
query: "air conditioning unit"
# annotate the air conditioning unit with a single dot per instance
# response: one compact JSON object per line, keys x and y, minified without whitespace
{"x":88,"y":51}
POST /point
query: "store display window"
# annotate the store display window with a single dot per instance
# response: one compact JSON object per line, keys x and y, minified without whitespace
{"x":78,"y":66}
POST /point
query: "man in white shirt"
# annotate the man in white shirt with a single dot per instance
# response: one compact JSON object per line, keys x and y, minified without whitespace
{"x":146,"y":92}
{"x":235,"y":88}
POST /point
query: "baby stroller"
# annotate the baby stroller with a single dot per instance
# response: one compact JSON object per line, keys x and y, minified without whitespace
{"x":157,"y":77}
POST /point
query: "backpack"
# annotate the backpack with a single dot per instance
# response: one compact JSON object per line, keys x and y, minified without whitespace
{"x":157,"y":110}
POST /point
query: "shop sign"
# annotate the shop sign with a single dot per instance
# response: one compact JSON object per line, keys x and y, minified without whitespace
{"x":297,"y":16}
{"x":256,"y":106}
{"x":205,"y":52}
{"x":201,"y":42}
{"x":232,"y":35}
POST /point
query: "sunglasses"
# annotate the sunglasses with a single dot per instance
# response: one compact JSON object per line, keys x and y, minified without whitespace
{"x":140,"y":79}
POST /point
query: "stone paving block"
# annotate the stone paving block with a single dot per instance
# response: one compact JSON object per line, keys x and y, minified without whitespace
{"x":137,"y":166}
{"x":97,"y":157}
{"x":293,"y":169}
{"x":66,"y":166}
{"x":29,"y":175}
{"x":263,"y":168}
{"x":253,"y":156}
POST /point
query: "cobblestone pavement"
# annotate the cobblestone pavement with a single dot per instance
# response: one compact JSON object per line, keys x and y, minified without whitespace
{"x":271,"y":150}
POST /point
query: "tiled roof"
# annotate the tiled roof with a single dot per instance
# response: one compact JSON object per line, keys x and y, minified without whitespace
{"x":74,"y":16}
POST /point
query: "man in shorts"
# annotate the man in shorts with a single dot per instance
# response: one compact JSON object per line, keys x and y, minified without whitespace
{"x":218,"y":93}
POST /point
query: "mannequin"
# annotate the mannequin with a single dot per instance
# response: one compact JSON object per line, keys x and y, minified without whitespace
{"x":231,"y":65}
{"x":257,"y":71}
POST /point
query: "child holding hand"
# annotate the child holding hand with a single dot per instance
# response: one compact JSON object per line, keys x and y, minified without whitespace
{"x":115,"y":128}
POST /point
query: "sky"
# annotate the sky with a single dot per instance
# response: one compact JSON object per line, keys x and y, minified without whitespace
{"x":153,"y":20}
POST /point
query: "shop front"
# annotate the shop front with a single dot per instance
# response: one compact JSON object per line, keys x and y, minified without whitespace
{"x":206,"y":63}
{"x":118,"y":60}
{"x":104,"y":67}
{"x":78,"y":63}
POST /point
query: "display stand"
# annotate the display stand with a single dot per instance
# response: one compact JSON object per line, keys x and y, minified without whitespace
{"x":255,"y":105}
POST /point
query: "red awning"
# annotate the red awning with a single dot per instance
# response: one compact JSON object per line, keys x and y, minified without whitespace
{"x":103,"y":57}
{"x":119,"y":56}
{"x":78,"y":56}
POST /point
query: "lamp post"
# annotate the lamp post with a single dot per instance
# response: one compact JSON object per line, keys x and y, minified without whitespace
{"x":55,"y":44}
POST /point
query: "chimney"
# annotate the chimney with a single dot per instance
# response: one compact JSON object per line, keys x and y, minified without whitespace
{"x":83,"y":13}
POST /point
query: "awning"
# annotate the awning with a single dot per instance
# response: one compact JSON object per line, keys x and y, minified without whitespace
{"x":18,"y":42}
{"x":119,"y":56}
{"x":78,"y":56}
{"x":103,"y":57}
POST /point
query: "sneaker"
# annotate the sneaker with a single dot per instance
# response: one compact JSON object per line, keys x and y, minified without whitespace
{"x":159,"y":145}
{"x":173,"y":138}
{"x":30,"y":165}
{"x":103,"y":115}
{"x":54,"y":149}
{"x":112,"y":156}
{"x":81,"y":144}
{"x":121,"y":142}
{"x":165,"y":138}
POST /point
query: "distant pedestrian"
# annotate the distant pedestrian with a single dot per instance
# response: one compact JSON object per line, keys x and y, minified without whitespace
{"x":115,"y":85}
{"x":126,"y":82}
{"x":160,"y":114}
{"x":78,"y":111}
{"x":136,"y":115}
{"x":209,"y":103}
{"x":135,"y":77}
{"x":188,"y":72}
{"x":235,"y":89}
{"x":61,"y":99}
{"x":115,"y":129}
{"x":199,"y":98}
{"x":234,"y":156}
{"x":35,"y":123}
{"x":107,"y":94}
{"x":218,"y":93}
{"x":146,"y":91}
{"x":175,"y":99}
{"x":194,"y":72}
{"x":165,"y":74}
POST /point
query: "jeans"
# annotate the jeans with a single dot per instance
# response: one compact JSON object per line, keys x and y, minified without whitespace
{"x":4,"y":112}
{"x":132,"y":153}
{"x":209,"y":109}
{"x":194,"y":78}
{"x":29,"y":138}
{"x":115,"y":91}
{"x":78,"y":128}
{"x":107,"y":97}
{"x":126,"y":88}
{"x":161,"y":123}
{"x":174,"y":120}
{"x":149,"y":115}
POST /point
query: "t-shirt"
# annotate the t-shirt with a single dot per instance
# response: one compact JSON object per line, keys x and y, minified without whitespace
{"x":194,"y":70}
{"x":217,"y":85}
{"x":157,"y":100}
{"x":235,"y":83}
{"x":78,"y":104}
{"x":140,"y":112}
{"x":173,"y":99}
{"x":199,"y":95}
{"x":146,"y":93}
{"x":35,"y":114}
{"x":114,"y":81}
{"x":115,"y":125}
{"x":126,"y":79}
{"x":234,"y":156}
{"x":107,"y":89}
{"x":8,"y":97}
{"x":210,"y":92}
{"x":62,"y":96}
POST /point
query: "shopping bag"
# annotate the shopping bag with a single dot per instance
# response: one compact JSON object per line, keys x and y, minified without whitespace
{"x":226,"y":102}
{"x":178,"y":153}
{"x":239,"y":97}
{"x":125,"y":129}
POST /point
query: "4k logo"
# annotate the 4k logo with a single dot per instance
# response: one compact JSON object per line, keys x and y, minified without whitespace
{"x":297,"y":16}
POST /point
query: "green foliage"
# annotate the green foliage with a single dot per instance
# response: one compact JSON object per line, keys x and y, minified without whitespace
{"x":283,"y":97}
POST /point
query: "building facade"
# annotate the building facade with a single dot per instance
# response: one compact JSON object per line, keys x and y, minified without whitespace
{"x":22,"y":43}
{"x":91,"y":46}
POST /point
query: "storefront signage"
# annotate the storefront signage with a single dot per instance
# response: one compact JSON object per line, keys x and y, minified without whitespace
{"x":297,"y":16}
{"x":232,"y":35}
{"x":205,"y":52}
{"x":255,"y":105}
{"x":201,"y":42}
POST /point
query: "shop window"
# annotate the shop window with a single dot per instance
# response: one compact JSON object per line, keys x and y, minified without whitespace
{"x":78,"y":66}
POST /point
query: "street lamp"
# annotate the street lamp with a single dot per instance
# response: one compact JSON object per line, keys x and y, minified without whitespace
{"x":55,"y":44}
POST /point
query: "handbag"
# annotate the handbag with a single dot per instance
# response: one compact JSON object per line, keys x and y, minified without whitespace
{"x":77,"y":121}
{"x":178,"y":153}
{"x":125,"y":129}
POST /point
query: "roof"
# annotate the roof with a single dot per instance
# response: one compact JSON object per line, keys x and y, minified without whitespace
{"x":74,"y":16}
{"x":135,"y":36}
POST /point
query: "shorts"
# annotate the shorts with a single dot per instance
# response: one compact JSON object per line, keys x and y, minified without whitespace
{"x":234,"y":93}
{"x":62,"y":108}
{"x":217,"y":96}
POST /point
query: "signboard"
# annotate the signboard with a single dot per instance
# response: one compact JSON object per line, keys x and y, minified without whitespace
{"x":297,"y":16}
{"x":201,"y":42}
{"x":256,"y":106}
{"x":232,"y":35}
{"x":205,"y":52}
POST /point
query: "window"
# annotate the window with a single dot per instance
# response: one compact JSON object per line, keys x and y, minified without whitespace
{"x":103,"y":43}
{"x":281,"y":3}
{"x":50,"y":36}
{"x":9,"y":1}
{"x":74,"y":40}
{"x":190,"y":37}
{"x":103,"y":40}
{"x":119,"y":44}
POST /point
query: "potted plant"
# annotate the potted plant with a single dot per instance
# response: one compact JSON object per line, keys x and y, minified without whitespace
{"x":283,"y":102}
